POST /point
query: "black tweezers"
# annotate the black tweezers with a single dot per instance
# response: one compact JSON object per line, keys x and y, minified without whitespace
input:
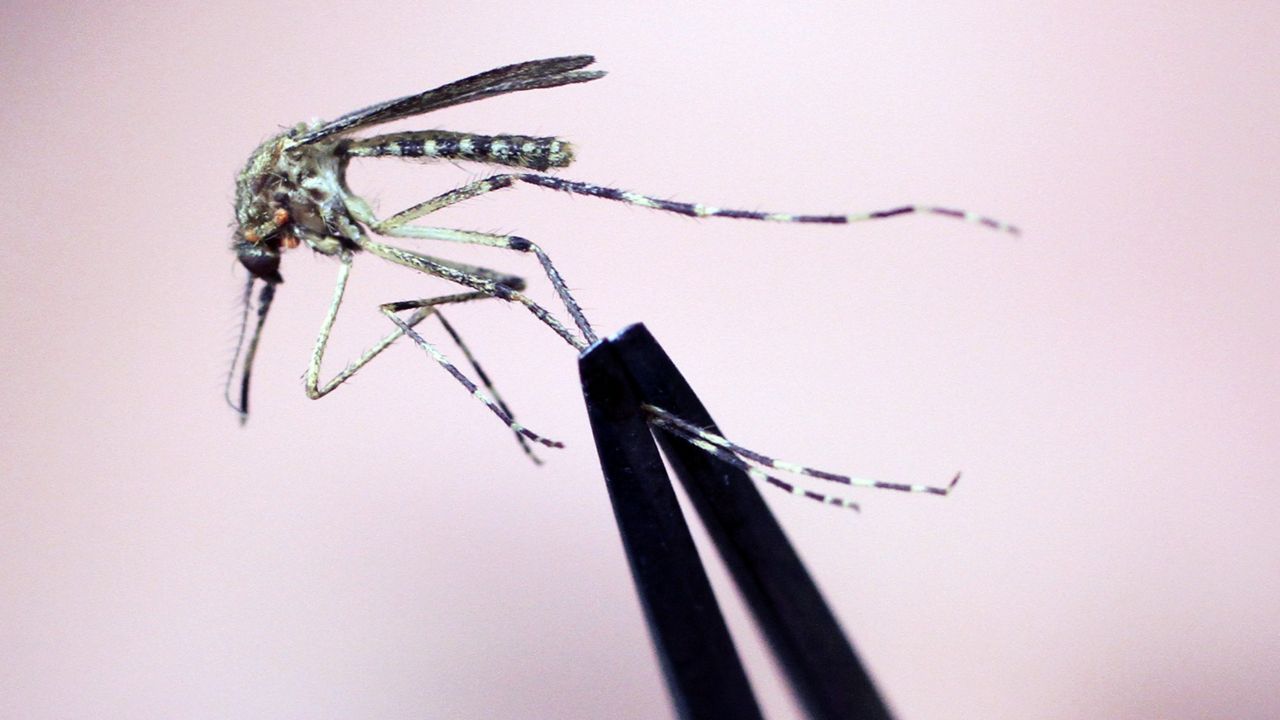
{"x":702,"y":668}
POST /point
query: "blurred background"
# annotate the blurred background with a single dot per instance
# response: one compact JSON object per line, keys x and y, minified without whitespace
{"x":1107,"y":382}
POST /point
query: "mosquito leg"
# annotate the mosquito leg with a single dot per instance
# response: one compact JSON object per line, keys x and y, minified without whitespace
{"x":506,"y":180}
{"x":710,"y":442}
{"x":495,"y":405}
{"x":444,"y":200}
{"x":481,"y":279}
{"x":753,"y":472}
{"x":395,"y":226}
{"x":480,"y":373}
{"x":422,"y":309}
{"x":700,"y":210}
{"x":507,"y":242}
{"x":315,"y":390}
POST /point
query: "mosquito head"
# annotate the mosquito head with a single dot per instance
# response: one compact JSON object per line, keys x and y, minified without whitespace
{"x":266,"y":190}
{"x":261,"y":259}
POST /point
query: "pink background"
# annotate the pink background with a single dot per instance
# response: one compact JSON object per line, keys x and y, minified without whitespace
{"x":1108,"y":383}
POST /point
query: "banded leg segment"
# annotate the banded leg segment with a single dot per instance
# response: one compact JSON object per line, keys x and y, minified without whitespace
{"x":499,"y":182}
{"x":478,"y":278}
{"x":507,"y":242}
{"x":700,"y":210}
{"x":697,"y":440}
{"x":492,"y":402}
{"x":708,"y":441}
{"x":423,"y":308}
{"x":480,"y":373}
{"x":397,"y":225}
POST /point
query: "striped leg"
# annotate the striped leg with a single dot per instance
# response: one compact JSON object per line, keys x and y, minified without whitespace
{"x":753,"y":472}
{"x":424,"y":308}
{"x":493,"y":403}
{"x":499,"y":182}
{"x":720,"y":447}
{"x":508,"y":242}
{"x":480,"y":373}
{"x":396,"y":226}
{"x":699,"y":210}
{"x":481,"y":279}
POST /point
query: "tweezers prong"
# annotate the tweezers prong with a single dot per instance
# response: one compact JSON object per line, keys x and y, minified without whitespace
{"x":620,"y":373}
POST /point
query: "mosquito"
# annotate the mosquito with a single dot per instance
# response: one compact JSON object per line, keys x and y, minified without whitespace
{"x":293,"y":191}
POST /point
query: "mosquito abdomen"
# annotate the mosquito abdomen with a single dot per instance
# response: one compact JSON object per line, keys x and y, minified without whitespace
{"x":535,"y":153}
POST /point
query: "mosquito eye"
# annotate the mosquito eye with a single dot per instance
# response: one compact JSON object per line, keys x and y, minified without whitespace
{"x":261,"y":261}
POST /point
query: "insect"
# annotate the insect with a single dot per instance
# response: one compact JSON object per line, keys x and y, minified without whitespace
{"x":293,"y":191}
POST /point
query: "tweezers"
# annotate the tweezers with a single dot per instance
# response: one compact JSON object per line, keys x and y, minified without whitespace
{"x":703,"y":671}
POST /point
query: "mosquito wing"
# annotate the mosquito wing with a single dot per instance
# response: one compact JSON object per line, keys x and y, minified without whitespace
{"x":511,"y":78}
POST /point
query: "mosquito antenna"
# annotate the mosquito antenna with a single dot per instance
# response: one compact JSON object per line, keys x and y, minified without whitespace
{"x":265,"y":297}
{"x":235,"y":359}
